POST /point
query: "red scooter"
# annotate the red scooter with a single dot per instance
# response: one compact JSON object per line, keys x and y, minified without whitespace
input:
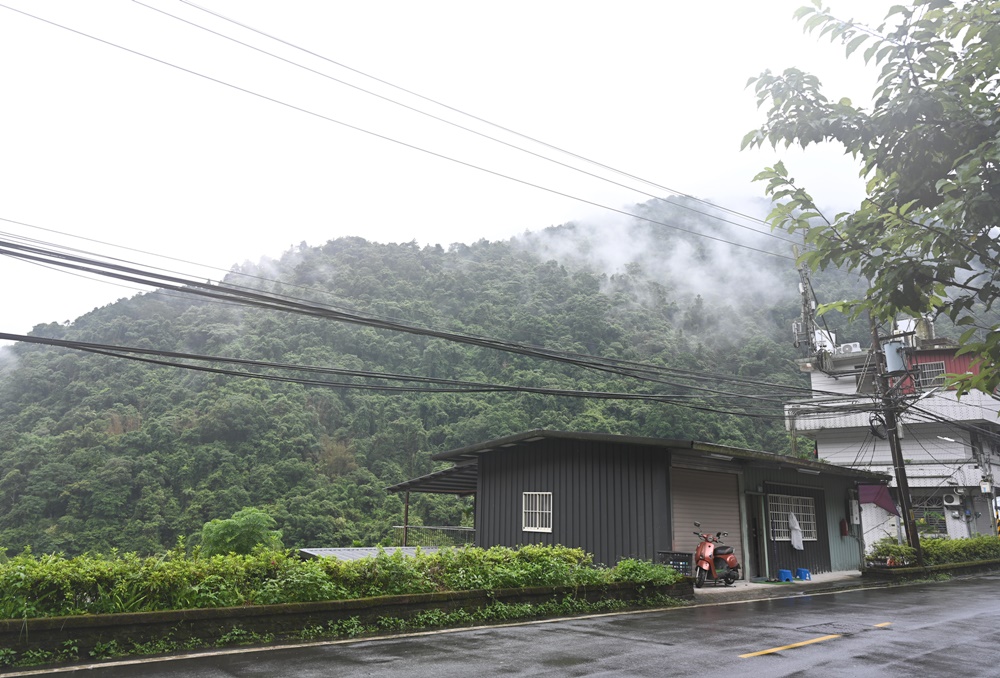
{"x":714,"y":560}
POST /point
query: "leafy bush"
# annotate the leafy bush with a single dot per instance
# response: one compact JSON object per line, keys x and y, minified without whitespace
{"x":940,"y":551}
{"x":644,"y":572}
{"x":51,"y":585}
{"x":937,"y":551}
{"x":888,"y":551}
{"x":383,"y":575}
{"x":299,"y":585}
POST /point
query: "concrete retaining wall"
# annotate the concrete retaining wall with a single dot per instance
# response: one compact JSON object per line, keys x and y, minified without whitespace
{"x":208,"y":625}
{"x":899,"y":574}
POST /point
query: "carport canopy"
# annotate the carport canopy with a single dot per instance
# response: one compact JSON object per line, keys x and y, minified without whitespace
{"x":460,"y":480}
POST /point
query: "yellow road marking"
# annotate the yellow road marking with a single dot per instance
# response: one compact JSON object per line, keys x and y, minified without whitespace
{"x":789,"y":647}
{"x":803,"y":643}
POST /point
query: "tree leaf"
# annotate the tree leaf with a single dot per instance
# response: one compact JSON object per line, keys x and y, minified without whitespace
{"x":854,"y":44}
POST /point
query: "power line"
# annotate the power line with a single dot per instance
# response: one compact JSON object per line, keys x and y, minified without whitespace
{"x":226,"y":271}
{"x":472,"y":116}
{"x":256,"y":298}
{"x":457,"y":125}
{"x":326,"y":293}
{"x":434,"y":385}
{"x":392,"y":140}
{"x":289,"y":304}
{"x":953,"y":424}
{"x":699,"y":375}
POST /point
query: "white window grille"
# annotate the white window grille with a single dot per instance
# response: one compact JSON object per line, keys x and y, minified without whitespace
{"x":928,"y":512}
{"x":804,"y":508}
{"x":930,"y":375}
{"x":536,"y":513}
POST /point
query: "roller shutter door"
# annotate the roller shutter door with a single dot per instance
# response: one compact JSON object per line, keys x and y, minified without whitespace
{"x":710,"y":498}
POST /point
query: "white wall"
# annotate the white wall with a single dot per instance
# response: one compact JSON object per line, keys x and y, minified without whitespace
{"x":920,"y":444}
{"x":876,"y":524}
{"x":824,"y":382}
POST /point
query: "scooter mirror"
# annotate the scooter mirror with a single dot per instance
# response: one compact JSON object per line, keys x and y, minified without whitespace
{"x":697,"y":524}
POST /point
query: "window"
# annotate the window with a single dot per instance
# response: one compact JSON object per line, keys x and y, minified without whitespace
{"x":930,"y":374}
{"x":928,"y":512}
{"x":804,"y":508}
{"x":537,"y":512}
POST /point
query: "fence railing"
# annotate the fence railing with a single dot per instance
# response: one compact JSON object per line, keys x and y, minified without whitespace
{"x":429,"y":535}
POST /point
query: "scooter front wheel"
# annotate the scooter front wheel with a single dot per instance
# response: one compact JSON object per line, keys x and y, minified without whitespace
{"x":699,"y":579}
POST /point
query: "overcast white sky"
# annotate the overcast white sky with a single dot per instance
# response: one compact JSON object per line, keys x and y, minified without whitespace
{"x":100,"y":143}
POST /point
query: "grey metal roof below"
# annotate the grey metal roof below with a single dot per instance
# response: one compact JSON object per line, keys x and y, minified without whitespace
{"x":359,"y":553}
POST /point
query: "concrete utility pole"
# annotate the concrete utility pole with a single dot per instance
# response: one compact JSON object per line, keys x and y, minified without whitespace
{"x":892,"y":431}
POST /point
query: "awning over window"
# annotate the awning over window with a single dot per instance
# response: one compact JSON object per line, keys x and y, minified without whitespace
{"x":878,"y":495}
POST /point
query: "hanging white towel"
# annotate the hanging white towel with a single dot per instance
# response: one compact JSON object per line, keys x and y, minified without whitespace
{"x":795,"y":532}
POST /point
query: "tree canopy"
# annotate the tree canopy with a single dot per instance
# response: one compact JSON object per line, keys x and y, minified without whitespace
{"x":925,"y":236}
{"x":101,"y":453}
{"x":241,"y":534}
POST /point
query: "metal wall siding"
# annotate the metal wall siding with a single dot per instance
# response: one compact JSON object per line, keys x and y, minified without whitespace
{"x":710,"y":498}
{"x":842,"y":552}
{"x":845,"y":552}
{"x":601,"y":497}
{"x":953,"y":364}
{"x":815,"y":555}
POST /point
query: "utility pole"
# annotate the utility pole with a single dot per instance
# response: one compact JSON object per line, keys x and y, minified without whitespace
{"x":892,"y":431}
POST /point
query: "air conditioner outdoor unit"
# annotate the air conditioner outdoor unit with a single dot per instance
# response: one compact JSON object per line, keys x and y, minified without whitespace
{"x":952,"y":499}
{"x":847,"y":349}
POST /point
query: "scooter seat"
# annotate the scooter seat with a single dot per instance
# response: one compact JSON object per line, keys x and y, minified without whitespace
{"x":723,"y":550}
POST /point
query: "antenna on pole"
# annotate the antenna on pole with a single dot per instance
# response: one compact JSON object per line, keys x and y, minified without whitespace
{"x":804,"y":330}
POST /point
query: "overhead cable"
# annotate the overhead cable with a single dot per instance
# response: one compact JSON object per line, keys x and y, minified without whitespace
{"x":433,"y":385}
{"x":280,"y":303}
{"x":396,"y":141}
{"x":459,"y":126}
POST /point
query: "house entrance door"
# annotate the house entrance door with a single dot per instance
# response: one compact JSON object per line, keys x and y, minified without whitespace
{"x":757,"y":529}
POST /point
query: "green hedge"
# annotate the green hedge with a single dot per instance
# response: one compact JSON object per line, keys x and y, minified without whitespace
{"x":51,"y":585}
{"x":938,"y":551}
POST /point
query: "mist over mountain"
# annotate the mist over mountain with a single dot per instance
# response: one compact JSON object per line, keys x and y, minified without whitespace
{"x":98,"y":452}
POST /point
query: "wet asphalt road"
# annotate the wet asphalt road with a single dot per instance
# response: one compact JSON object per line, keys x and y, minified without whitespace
{"x":940,"y":629}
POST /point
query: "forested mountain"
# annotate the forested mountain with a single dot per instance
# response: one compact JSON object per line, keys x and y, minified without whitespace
{"x":99,"y":452}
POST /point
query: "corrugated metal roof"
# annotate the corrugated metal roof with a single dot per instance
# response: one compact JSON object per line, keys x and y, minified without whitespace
{"x":473,"y":451}
{"x":461,"y":479}
{"x":359,"y":553}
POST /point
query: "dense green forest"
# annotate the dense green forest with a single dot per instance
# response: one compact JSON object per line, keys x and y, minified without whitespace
{"x":99,"y":453}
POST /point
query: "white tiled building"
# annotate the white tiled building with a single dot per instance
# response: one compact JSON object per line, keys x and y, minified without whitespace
{"x":949,"y":444}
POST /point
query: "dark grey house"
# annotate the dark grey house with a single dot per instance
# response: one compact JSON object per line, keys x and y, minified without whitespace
{"x":622,"y":496}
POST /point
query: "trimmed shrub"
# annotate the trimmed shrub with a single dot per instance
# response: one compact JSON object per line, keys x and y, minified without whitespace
{"x":941,"y":551}
{"x":937,"y":551}
{"x":52,"y":585}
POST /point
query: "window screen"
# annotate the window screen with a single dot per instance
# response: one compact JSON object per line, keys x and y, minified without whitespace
{"x":537,"y":512}
{"x":804,"y":508}
{"x":930,"y":374}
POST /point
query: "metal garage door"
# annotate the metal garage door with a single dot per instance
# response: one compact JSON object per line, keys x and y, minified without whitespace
{"x":710,"y":498}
